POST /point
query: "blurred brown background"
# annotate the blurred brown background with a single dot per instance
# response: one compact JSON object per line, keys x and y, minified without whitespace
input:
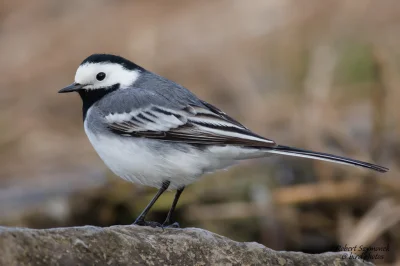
{"x":320,"y":75}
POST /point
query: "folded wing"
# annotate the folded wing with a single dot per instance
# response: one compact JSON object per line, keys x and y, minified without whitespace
{"x":191,"y":124}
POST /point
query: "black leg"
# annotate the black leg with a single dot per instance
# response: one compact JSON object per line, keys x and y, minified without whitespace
{"x":167,"y":222}
{"x":140,"y":220}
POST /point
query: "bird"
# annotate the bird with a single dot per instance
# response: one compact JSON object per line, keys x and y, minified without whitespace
{"x":152,"y":131}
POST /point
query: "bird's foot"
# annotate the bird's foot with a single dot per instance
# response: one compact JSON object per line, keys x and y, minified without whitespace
{"x":141,"y":222}
{"x":168,"y":225}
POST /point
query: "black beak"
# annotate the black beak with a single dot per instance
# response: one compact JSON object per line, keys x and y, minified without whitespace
{"x":71,"y":88}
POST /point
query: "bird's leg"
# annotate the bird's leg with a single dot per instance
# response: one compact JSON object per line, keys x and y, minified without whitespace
{"x":167,"y":222}
{"x":140,"y":220}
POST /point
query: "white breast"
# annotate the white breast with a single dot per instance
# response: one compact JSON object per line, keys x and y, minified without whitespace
{"x":133,"y":160}
{"x":137,"y":160}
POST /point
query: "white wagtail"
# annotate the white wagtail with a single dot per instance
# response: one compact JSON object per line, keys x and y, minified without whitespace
{"x":153,"y":131}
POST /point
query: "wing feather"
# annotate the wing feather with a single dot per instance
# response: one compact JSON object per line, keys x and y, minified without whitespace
{"x":191,"y":124}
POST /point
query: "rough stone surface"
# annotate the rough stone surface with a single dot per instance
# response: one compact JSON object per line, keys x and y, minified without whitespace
{"x":133,"y":245}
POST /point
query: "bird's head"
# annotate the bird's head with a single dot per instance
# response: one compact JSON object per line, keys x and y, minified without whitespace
{"x":103,"y":72}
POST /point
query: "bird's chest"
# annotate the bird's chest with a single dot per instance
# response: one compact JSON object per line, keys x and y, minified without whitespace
{"x":128,"y":159}
{"x":148,"y":162}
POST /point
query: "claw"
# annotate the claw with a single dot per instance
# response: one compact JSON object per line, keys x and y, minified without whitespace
{"x":147,"y":223}
{"x":173,"y":225}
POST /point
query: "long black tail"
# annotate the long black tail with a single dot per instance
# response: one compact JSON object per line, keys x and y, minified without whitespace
{"x":285,"y":150}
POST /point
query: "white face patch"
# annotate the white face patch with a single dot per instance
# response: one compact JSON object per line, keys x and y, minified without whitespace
{"x":115,"y":74}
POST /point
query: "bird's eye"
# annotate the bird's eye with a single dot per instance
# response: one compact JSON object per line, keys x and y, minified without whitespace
{"x":100,"y":76}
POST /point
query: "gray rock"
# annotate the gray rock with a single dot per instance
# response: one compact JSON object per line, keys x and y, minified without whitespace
{"x":132,"y":245}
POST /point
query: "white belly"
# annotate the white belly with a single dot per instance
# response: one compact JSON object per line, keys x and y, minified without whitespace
{"x":152,"y":162}
{"x":133,"y":160}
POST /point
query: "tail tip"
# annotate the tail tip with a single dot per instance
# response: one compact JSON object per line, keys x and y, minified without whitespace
{"x":381,"y":169}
